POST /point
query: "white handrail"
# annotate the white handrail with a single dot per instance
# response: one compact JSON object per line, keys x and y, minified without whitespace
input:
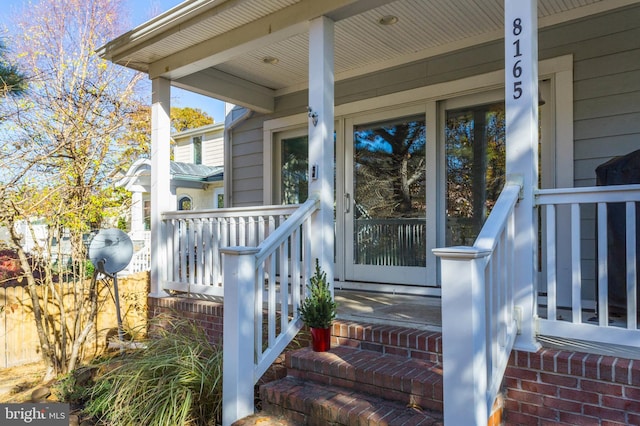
{"x":478,"y":315}
{"x":579,"y":223}
{"x":276,"y":270}
{"x":283,"y":232}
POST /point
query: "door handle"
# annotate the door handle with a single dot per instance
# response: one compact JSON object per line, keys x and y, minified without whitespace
{"x":347,"y":202}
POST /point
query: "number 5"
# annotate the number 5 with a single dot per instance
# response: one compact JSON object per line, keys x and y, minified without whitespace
{"x":517,"y":90}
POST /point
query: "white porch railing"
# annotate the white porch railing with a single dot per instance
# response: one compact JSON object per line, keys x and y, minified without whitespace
{"x":594,"y":230}
{"x":194,"y":240}
{"x":478,"y":315}
{"x":140,"y":261}
{"x":263,"y":288}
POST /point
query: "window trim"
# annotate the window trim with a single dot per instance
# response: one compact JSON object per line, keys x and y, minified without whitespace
{"x":559,"y":70}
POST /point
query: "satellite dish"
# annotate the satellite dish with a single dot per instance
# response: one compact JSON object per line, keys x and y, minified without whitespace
{"x":110,"y":251}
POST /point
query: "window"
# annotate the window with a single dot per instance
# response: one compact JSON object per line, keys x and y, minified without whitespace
{"x":294,"y":182}
{"x":475,"y":168}
{"x":184,"y":203}
{"x":197,"y":149}
{"x":218,"y":195}
{"x":147,"y":215}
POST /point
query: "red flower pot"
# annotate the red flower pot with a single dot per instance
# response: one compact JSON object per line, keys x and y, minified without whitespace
{"x":321,"y":339}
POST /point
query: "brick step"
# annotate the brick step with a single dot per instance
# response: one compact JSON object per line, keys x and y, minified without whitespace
{"x":388,"y":339}
{"x":306,"y":402}
{"x":409,"y":381}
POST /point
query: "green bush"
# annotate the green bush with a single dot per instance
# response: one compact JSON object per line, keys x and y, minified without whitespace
{"x":175,"y":380}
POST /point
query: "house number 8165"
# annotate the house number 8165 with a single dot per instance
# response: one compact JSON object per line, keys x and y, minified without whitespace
{"x":517,"y":69}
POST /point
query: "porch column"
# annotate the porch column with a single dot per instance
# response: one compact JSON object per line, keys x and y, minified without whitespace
{"x":521,"y":98}
{"x":161,"y":197}
{"x":321,"y":118}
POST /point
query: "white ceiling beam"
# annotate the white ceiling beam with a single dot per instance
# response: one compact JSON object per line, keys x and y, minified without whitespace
{"x":228,"y":88}
{"x":264,"y":31}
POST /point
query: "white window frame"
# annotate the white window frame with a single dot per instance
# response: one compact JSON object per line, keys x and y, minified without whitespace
{"x":559,"y":71}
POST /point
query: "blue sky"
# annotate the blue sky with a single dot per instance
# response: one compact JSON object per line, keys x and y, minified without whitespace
{"x":142,"y":11}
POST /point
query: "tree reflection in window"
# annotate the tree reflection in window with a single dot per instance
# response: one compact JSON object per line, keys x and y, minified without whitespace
{"x":390,"y":192}
{"x":475,"y":169}
{"x":295,"y":164}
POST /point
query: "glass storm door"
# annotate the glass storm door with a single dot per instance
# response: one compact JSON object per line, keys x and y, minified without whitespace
{"x":385,"y":201}
{"x":294,"y":160}
{"x":475,"y":168}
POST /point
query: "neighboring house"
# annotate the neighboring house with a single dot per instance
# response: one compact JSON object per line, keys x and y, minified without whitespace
{"x":384,"y":132}
{"x":196,"y":182}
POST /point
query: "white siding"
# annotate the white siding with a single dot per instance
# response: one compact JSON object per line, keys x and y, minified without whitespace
{"x":183,"y":151}
{"x":212,"y":147}
{"x":213,"y":150}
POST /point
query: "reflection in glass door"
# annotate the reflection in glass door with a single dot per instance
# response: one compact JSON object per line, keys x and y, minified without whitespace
{"x":294,"y":162}
{"x":387,"y":216}
{"x":475,"y":168}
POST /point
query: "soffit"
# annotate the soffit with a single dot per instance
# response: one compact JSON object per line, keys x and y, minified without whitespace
{"x":424,"y":28}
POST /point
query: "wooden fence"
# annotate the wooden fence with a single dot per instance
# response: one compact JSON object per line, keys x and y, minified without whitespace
{"x":19,"y":338}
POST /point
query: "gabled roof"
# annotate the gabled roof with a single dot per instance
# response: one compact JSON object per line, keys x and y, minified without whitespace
{"x":138,"y":177}
{"x":248,"y":52}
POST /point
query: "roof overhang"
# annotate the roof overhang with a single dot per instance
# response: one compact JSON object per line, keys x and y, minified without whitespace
{"x":223,"y":48}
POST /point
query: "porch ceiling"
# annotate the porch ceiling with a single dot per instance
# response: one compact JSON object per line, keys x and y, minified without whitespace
{"x":218,"y":47}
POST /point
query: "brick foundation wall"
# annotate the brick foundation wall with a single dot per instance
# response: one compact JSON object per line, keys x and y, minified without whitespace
{"x":550,"y":387}
{"x":571,"y":388}
{"x":206,"y":313}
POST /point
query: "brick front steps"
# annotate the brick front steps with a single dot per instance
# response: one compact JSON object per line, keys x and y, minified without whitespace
{"x":549,"y":387}
{"x":373,"y":375}
{"x":412,"y":382}
{"x":306,"y":402}
{"x":353,"y":386}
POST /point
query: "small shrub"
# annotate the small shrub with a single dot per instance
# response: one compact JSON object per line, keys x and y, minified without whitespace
{"x":175,"y":380}
{"x":318,"y":309}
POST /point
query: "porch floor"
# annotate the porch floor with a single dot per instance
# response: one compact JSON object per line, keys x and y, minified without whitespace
{"x":418,"y":312}
{"x":424,"y":313}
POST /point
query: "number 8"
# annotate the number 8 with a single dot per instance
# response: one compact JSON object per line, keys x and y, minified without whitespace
{"x":517,"y":26}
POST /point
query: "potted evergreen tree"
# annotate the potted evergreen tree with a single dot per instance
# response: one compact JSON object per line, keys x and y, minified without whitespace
{"x":318,"y":310}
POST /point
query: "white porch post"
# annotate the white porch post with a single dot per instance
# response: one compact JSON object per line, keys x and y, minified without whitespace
{"x":161,"y":197}
{"x":321,"y":104}
{"x":464,"y":335}
{"x":521,"y":98}
{"x":239,"y":331}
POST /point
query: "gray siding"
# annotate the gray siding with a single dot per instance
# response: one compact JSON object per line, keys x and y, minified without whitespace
{"x":606,"y":51}
{"x":247,"y":168}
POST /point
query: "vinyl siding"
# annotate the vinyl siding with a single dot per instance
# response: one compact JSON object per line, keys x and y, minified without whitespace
{"x":212,"y":149}
{"x":606,"y":51}
{"x":247,"y":168}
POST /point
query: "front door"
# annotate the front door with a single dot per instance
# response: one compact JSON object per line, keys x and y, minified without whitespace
{"x":385,"y":199}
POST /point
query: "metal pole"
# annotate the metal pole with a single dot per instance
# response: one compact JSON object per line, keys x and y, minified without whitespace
{"x":117,"y":300}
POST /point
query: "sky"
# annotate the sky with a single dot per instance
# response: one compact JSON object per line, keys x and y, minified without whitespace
{"x":142,"y":11}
